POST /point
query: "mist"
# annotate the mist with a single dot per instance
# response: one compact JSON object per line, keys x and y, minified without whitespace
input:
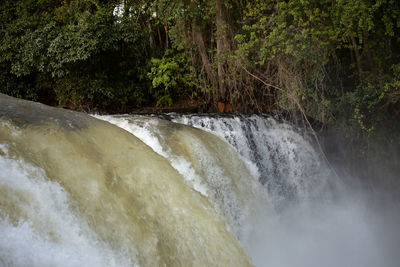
{"x":354,"y":225}
{"x":334,"y":208}
{"x":236,"y":192}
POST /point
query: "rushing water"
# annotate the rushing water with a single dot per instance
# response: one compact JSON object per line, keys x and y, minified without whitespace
{"x":184,"y":191}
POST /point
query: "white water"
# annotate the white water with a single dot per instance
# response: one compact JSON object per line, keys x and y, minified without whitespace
{"x":281,"y":159}
{"x":232,"y":188}
{"x":147,"y":131}
{"x":60,"y":238}
{"x":78,"y":192}
{"x":321,"y":222}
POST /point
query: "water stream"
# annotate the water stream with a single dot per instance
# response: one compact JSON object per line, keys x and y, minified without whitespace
{"x":189,"y":190}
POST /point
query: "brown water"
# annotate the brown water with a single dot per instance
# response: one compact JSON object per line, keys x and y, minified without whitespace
{"x":66,"y":174}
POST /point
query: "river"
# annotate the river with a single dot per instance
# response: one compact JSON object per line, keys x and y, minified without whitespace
{"x":178,"y":190}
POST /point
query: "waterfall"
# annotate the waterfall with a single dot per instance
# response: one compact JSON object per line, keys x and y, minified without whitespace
{"x":131,"y":206}
{"x":177,"y":190}
{"x":280,"y":157}
{"x":208,"y":165}
{"x":275,"y":154}
{"x":38,"y":225}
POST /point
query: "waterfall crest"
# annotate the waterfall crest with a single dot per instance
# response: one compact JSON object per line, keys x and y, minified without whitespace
{"x":278,"y":155}
{"x":82,"y":177}
{"x":209,"y":165}
{"x":178,"y":190}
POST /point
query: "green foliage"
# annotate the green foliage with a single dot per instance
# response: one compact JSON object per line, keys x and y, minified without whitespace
{"x":373,"y":103}
{"x":171,"y":77}
{"x":88,"y":57}
{"x":336,"y":61}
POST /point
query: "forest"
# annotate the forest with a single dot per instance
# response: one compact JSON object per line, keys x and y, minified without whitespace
{"x":334,"y":61}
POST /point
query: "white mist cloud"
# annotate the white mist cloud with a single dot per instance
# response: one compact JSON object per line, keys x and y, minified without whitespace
{"x":345,"y":233}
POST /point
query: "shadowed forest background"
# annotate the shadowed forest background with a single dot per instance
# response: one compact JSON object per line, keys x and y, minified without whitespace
{"x":334,"y":62}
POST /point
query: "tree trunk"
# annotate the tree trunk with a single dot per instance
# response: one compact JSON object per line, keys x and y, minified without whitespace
{"x":356,"y":53}
{"x":370,"y":58}
{"x":203,"y":53}
{"x":151,"y":38}
{"x":166,"y":36}
{"x":221,"y":93}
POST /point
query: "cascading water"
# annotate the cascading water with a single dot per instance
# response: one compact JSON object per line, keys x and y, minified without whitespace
{"x":188,"y":191}
{"x":208,"y":165}
{"x":130,"y":198}
{"x":280,"y":157}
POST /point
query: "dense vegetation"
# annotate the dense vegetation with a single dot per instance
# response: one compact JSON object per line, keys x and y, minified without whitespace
{"x":332,"y":60}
